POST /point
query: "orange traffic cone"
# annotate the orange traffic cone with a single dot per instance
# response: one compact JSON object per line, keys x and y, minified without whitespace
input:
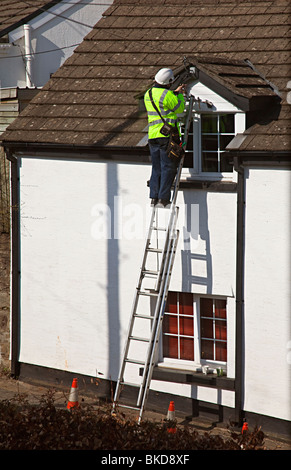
{"x":73,"y":397}
{"x":245,"y":427}
{"x":171,"y":417}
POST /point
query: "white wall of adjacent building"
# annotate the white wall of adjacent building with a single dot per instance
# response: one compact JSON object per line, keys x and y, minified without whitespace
{"x":51,"y":38}
{"x":267,"y":292}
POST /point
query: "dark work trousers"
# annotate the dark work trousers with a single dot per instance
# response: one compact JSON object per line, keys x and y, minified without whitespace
{"x":163,"y":169}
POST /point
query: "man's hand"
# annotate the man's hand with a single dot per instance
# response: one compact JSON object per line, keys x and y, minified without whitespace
{"x":180,"y":88}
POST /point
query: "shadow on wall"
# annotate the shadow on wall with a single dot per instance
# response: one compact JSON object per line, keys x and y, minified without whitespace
{"x":44,"y":63}
{"x":196,"y":229}
{"x":113,"y":279}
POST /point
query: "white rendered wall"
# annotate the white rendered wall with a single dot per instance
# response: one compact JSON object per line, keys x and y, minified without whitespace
{"x":78,"y":283}
{"x":267,"y":293}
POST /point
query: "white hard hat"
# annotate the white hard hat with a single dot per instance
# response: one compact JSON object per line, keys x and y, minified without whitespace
{"x":164,"y":76}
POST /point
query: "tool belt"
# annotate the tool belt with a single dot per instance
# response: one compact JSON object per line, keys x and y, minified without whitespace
{"x":175,"y":148}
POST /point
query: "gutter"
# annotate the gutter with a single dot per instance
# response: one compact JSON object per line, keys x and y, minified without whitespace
{"x":130,"y":154}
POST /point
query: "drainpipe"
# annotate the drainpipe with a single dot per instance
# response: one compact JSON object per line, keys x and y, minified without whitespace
{"x":15,"y":266}
{"x":27,"y":55}
{"x":240,"y":252}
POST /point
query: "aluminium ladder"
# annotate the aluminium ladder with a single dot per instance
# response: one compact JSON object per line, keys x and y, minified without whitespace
{"x":163,"y":257}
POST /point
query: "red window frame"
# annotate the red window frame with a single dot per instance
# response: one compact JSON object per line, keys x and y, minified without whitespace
{"x":178,"y":328}
{"x":213,"y":324}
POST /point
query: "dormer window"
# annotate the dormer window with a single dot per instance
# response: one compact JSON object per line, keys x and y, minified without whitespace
{"x":212,"y":129}
{"x":227,"y":94}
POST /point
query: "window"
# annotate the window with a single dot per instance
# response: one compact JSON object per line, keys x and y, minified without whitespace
{"x":213,"y":329}
{"x":209,"y":134}
{"x":203,"y":338}
{"x":178,"y":326}
{"x":217,"y":130}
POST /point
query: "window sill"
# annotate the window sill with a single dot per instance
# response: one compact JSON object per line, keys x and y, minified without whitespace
{"x":208,"y":185}
{"x":193,"y":378}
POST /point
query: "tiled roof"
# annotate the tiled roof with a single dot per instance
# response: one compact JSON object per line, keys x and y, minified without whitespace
{"x":14,"y":12}
{"x":92,"y":99}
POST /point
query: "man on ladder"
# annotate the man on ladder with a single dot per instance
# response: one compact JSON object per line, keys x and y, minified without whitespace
{"x":162,"y":105}
{"x":136,"y":357}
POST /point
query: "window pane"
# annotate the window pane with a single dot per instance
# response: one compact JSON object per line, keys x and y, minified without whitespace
{"x":224,"y":140}
{"x":221,"y":352}
{"x":170,"y":324}
{"x":226,"y":164}
{"x":170,"y":346}
{"x":220,"y":308}
{"x":206,"y":328}
{"x":188,"y":160}
{"x":171,"y":305}
{"x":209,"y":123}
{"x":209,"y":142}
{"x":187,"y":349}
{"x":186,"y":326}
{"x":206,"y":307}
{"x":186,"y":303}
{"x":220,"y":329}
{"x":226,"y":123}
{"x":207,"y":349}
{"x":209,"y":161}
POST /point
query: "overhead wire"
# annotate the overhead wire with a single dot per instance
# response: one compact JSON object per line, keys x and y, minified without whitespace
{"x":67,"y":19}
{"x":40,"y":52}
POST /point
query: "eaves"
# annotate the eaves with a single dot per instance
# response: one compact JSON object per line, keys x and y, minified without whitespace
{"x":92,"y":152}
{"x":268,"y":158}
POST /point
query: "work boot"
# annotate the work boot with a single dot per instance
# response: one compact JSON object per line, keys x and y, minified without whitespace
{"x":164,"y":203}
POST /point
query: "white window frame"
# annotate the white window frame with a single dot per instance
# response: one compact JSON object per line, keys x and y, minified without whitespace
{"x":220,"y":106}
{"x":198,"y":362}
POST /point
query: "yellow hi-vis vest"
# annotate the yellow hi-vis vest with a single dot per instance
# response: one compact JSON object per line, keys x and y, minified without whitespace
{"x":169,"y":106}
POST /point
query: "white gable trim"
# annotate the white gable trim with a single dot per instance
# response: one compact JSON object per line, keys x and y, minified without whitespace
{"x":219,"y":103}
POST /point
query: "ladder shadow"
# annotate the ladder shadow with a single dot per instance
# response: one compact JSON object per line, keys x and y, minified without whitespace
{"x":195,"y":231}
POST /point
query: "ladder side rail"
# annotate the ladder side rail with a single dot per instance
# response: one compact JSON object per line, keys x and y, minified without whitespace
{"x":160,"y":305}
{"x":157,"y":332}
{"x":133,"y":310}
{"x":125,"y":351}
{"x":147,"y":243}
{"x":171,"y":227}
{"x":166,"y":251}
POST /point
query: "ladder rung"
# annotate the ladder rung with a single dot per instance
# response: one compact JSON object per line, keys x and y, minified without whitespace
{"x":122,"y":382}
{"x":149,"y":272}
{"x":146,"y":317}
{"x":162,"y":229}
{"x":127,"y":406}
{"x":143,"y":292}
{"x":134,"y":361}
{"x":155,"y":250}
{"x":138,"y":338}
